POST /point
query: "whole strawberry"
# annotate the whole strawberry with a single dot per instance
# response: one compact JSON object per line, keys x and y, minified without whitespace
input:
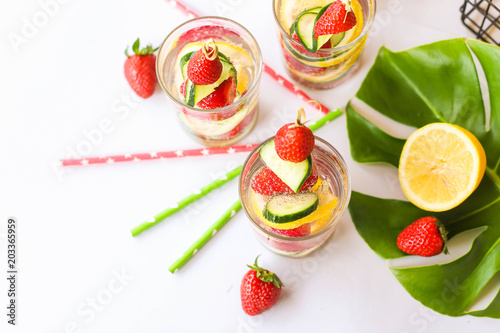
{"x":260,"y":290}
{"x":337,"y":18}
{"x":140,"y":70}
{"x":425,"y":237}
{"x":294,"y":142}
{"x":205,"y":67}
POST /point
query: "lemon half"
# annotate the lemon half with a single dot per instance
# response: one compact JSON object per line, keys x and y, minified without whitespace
{"x":440,"y":166}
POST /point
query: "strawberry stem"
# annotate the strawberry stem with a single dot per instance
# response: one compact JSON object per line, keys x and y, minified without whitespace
{"x":444,"y":235}
{"x":210,"y":50}
{"x":301,"y":114}
{"x":348,"y":8}
{"x":265,"y":275}
{"x":136,"y":48}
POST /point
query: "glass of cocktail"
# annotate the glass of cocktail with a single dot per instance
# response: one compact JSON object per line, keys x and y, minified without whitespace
{"x":321,"y":62}
{"x":304,"y":225}
{"x":216,"y":105}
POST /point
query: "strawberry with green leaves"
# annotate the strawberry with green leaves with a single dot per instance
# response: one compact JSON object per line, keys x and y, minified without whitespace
{"x":260,"y":289}
{"x":425,"y":237}
{"x":140,"y":70}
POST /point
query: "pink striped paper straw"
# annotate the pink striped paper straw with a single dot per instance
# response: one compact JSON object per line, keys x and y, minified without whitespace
{"x":271,"y":72}
{"x":183,"y":8}
{"x":158,"y":155}
{"x":293,"y":88}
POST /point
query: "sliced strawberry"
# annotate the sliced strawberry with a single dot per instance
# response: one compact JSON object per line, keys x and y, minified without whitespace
{"x":223,"y":95}
{"x":215,"y":100}
{"x":293,"y":245}
{"x":205,"y":66}
{"x":336,"y":19}
{"x":301,"y":231}
{"x":298,"y":66}
{"x":267,"y":182}
{"x":182,"y":88}
{"x":327,"y":45}
{"x":240,"y":127}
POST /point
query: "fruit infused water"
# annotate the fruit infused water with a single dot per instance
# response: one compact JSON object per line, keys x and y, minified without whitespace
{"x":210,"y":70}
{"x":321,"y":40}
{"x":294,"y":190}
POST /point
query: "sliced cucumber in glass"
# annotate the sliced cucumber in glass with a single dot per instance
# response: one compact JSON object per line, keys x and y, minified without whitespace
{"x":195,"y":92}
{"x":304,"y":28}
{"x":283,"y":208}
{"x":292,"y":174}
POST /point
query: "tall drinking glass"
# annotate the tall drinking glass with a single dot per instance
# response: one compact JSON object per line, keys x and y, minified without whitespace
{"x":329,"y":66}
{"x":219,"y":126}
{"x":333,"y":189}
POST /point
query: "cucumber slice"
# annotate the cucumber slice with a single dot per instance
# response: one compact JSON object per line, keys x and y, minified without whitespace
{"x":283,"y":208}
{"x":292,"y":174}
{"x":314,"y":10}
{"x":195,"y":93}
{"x":304,"y":27}
{"x":337,"y":38}
{"x":324,"y":38}
{"x":184,"y":62}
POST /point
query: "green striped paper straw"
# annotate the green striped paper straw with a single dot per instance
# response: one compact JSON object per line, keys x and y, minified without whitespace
{"x":193,"y":249}
{"x":186,"y":201}
{"x":325,"y":119}
{"x":217,"y":183}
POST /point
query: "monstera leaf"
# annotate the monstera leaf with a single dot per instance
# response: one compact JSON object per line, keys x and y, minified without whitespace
{"x":438,"y":82}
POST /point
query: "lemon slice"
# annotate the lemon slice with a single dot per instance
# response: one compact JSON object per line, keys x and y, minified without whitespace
{"x":440,"y":166}
{"x":320,"y":217}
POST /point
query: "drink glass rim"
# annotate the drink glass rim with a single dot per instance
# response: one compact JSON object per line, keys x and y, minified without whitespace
{"x":255,"y":82}
{"x":344,"y":203}
{"x":365,"y":30}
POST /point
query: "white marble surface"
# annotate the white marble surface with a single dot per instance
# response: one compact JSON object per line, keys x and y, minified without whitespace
{"x":79,"y":268}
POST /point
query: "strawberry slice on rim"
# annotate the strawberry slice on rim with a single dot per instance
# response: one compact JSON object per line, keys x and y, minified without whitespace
{"x":338,"y":17}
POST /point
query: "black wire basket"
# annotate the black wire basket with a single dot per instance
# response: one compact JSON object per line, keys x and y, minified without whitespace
{"x":482,"y":17}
